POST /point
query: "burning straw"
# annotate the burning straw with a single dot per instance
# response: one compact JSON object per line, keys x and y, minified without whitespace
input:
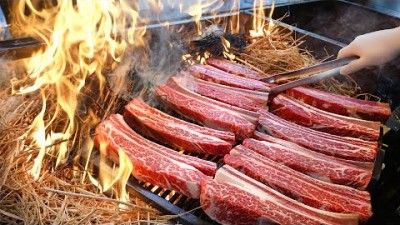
{"x":59,"y":195}
{"x":52,"y":108}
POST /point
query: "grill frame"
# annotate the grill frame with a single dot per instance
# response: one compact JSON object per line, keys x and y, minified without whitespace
{"x":183,"y":204}
{"x":180,"y":204}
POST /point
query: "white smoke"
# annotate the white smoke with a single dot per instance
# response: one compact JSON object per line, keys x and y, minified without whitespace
{"x":164,"y":56}
{"x":7,"y":72}
{"x":9,"y":104}
{"x":151,"y":65}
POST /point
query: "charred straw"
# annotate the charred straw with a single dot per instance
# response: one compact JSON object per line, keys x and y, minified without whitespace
{"x":212,"y":43}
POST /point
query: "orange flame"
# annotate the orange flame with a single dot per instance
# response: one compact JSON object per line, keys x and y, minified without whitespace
{"x":113,"y":178}
{"x":271,"y":23}
{"x":197,"y":9}
{"x":258,"y":19}
{"x":82,"y":38}
{"x":234,"y":23}
{"x":227,"y":45}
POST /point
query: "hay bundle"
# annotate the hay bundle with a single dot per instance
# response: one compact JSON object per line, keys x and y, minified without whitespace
{"x":277,"y":52}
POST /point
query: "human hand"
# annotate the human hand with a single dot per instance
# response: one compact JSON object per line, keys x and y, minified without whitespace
{"x":374,"y":48}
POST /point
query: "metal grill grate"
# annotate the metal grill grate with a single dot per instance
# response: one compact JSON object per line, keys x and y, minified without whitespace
{"x":189,"y":210}
{"x":169,"y":202}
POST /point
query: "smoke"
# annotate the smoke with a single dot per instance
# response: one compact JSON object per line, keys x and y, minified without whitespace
{"x":164,"y":57}
{"x":7,"y":72}
{"x":9,"y":110}
{"x":150,"y":65}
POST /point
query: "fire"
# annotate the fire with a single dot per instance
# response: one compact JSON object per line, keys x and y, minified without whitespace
{"x":271,"y":22}
{"x":231,"y":25}
{"x":39,"y":134}
{"x":113,"y":177}
{"x":259,"y":19}
{"x":234,"y":23}
{"x":227,"y":46}
{"x":82,"y":39}
{"x":196,"y":11}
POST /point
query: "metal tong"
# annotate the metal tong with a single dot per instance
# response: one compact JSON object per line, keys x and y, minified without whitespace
{"x":310,"y":75}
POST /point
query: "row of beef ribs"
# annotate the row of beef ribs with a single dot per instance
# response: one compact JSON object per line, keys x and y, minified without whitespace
{"x":307,"y":159}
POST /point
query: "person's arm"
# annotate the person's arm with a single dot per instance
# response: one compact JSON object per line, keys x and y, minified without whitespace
{"x":374,"y":49}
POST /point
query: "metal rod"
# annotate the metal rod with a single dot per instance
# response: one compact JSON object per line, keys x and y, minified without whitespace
{"x":309,"y":70}
{"x":304,"y":81}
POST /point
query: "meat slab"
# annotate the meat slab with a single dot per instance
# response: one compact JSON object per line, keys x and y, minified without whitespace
{"x":306,"y":115}
{"x":234,"y":68}
{"x":209,"y":73}
{"x":250,"y":100}
{"x":369,"y":166}
{"x":311,"y":163}
{"x":203,"y":111}
{"x":343,"y":105}
{"x":310,"y":191}
{"x":343,"y":147}
{"x":175,"y":132}
{"x":151,"y":162}
{"x":249,"y":115}
{"x":234,"y":198}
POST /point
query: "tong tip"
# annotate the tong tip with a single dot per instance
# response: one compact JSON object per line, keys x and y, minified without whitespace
{"x":269,"y":80}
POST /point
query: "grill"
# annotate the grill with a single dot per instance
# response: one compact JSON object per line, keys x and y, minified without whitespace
{"x":171,"y":203}
{"x":321,"y":39}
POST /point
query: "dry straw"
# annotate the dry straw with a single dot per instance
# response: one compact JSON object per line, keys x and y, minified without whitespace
{"x":60,"y":195}
{"x":281,"y":51}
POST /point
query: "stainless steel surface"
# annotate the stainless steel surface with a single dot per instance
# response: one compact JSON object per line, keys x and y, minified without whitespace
{"x":309,"y":70}
{"x":389,"y":7}
{"x":304,"y":81}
